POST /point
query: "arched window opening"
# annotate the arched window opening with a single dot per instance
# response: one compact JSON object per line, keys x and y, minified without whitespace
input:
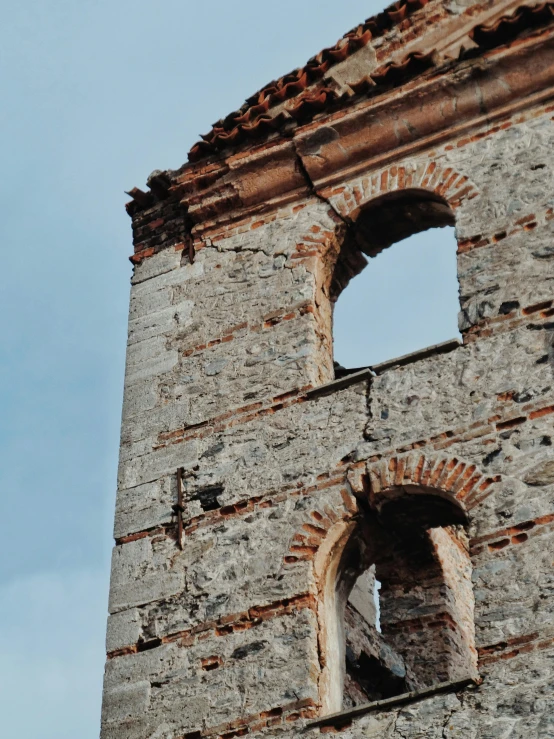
{"x":407,"y":298}
{"x":415,"y":546}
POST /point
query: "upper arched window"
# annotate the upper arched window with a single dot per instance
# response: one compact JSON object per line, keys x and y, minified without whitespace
{"x":407,"y":298}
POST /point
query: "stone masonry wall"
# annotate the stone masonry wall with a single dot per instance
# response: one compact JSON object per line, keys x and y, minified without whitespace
{"x":229,"y":376}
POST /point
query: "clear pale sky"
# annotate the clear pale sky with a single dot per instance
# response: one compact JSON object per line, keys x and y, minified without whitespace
{"x":95,"y":95}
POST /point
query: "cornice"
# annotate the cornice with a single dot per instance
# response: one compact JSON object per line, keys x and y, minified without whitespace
{"x":336,"y":147}
{"x":443,"y":106}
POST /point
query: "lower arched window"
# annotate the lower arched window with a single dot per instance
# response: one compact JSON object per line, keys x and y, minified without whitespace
{"x":402,"y":601}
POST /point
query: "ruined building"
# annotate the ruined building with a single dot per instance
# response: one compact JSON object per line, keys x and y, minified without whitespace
{"x":262,"y":494}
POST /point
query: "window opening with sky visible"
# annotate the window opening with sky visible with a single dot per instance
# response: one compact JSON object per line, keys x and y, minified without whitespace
{"x":404,"y":300}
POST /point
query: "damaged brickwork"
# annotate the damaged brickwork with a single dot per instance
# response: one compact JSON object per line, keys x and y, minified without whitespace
{"x":261,"y":497}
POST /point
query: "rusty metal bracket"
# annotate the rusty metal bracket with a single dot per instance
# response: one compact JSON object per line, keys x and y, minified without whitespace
{"x":179,"y":508}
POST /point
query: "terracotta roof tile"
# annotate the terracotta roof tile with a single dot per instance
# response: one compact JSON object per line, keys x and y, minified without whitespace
{"x":294,"y":83}
{"x":508,"y":27}
{"x":396,"y":73}
{"x":311,"y":103}
{"x":254,"y":120}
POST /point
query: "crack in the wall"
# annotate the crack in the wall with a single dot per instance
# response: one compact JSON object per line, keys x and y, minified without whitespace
{"x":136,"y":282}
{"x":369,"y":401}
{"x":312,"y":188}
{"x":448,"y":719}
{"x":188,"y":254}
{"x":396,"y":730}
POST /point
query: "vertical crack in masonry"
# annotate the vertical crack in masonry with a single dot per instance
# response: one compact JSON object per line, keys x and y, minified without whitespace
{"x":312,"y":188}
{"x":451,"y":713}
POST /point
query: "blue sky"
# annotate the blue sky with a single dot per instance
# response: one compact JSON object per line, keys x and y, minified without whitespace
{"x":96,"y":94}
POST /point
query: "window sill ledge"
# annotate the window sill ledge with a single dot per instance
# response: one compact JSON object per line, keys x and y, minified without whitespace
{"x":363,"y":373}
{"x":430,"y":351}
{"x":341,"y":383}
{"x":345,"y":717}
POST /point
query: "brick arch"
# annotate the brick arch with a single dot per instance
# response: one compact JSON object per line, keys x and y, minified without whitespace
{"x":455,"y":478}
{"x":441,"y":179}
{"x":316,"y":527}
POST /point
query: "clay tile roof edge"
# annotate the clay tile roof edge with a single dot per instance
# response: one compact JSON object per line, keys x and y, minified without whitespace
{"x":253,"y":120}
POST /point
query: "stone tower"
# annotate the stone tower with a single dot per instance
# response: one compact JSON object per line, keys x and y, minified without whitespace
{"x":262,"y":494}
